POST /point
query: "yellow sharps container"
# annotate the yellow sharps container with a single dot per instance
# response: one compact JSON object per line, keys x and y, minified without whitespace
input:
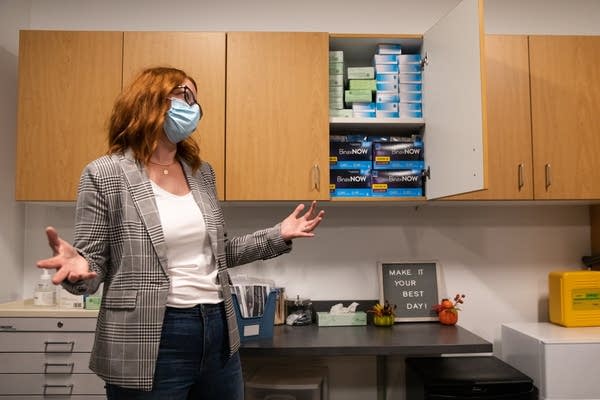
{"x":574,"y":298}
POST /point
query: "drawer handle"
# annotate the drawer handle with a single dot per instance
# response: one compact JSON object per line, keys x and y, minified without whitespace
{"x":50,"y":387}
{"x":69,"y":366}
{"x":47,"y":344}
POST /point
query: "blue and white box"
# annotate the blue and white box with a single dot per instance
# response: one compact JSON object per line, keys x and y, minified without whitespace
{"x":363,"y":114}
{"x":390,"y":78}
{"x":409,"y":68}
{"x":415,"y":97}
{"x":398,"y":155}
{"x":410,"y":114}
{"x":387,"y":97}
{"x":397,"y":183}
{"x":409,"y":59}
{"x":386,"y":86}
{"x":350,"y":155}
{"x":363,"y":107}
{"x":386,"y":106}
{"x":385,"y":59}
{"x":386,"y":69}
{"x":389,"y":48}
{"x":410,"y":87}
{"x":387,"y":114}
{"x":350,"y":183}
{"x":410,"y":107}
{"x":409,"y":77}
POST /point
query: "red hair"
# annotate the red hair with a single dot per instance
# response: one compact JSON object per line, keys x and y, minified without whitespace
{"x":139,"y":112}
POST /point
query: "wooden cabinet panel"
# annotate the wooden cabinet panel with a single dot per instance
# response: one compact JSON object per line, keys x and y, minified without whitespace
{"x":277,"y":116}
{"x":565,"y":99}
{"x":202,"y":56}
{"x":68,"y":82}
{"x":510,"y":174}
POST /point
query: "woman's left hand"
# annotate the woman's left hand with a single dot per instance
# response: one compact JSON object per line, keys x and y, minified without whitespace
{"x":297,"y":225}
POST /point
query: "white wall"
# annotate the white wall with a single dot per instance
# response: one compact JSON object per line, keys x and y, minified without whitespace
{"x":498,"y":255}
{"x":14,"y":14}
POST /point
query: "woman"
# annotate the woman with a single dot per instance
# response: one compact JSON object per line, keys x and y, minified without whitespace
{"x":149,"y":225}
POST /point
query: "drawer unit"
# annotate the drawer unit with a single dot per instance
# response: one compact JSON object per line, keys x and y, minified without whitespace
{"x":48,"y":357}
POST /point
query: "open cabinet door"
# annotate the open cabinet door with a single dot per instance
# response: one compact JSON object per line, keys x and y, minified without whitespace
{"x":454,"y":102}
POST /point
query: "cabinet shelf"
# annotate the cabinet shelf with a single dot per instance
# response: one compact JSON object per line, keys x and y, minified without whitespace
{"x":374,"y":125}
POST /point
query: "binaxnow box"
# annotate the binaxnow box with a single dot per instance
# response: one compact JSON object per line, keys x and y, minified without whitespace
{"x":406,"y":154}
{"x":350,"y":183}
{"x":350,"y":155}
{"x":397,"y":183}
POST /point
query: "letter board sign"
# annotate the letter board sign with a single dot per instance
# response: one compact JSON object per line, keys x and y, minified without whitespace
{"x":413,"y":287}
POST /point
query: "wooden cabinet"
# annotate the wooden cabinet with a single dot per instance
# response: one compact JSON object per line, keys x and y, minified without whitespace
{"x":277,"y":116}
{"x":68,"y":82}
{"x":43,"y":357}
{"x":543,"y":97}
{"x":565,"y":104}
{"x":510,"y":171}
{"x":202,"y":56}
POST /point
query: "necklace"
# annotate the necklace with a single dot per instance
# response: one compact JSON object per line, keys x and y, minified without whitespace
{"x":166,"y":166}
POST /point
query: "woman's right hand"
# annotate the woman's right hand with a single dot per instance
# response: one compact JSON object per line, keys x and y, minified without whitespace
{"x":67,"y":262}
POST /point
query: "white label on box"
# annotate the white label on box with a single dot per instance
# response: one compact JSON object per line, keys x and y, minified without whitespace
{"x":251,"y":330}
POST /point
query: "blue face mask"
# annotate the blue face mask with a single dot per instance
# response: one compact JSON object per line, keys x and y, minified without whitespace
{"x":181,"y":120}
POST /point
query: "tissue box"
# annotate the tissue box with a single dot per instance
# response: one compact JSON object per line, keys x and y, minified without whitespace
{"x":358,"y":318}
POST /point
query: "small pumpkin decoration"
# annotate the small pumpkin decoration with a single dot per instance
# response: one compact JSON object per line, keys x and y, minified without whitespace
{"x":447,"y":310}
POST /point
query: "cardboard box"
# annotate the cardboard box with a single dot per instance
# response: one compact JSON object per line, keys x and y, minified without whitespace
{"x":336,"y":56}
{"x":409,"y":77}
{"x":383,"y":96}
{"x":386,"y":69}
{"x":385,"y":59}
{"x":389,"y":48}
{"x":409,"y":59}
{"x":389,"y":78}
{"x":397,"y":183}
{"x":358,"y":96}
{"x":410,"y":88}
{"x":361,"y":72}
{"x":350,"y":182}
{"x":362,"y":84}
{"x":358,"y":318}
{"x":336,"y":80}
{"x":350,"y":155}
{"x":398,"y":155}
{"x":343,"y":113}
{"x":336,"y":68}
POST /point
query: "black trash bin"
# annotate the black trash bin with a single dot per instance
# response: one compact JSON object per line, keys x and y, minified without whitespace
{"x":466,"y":378}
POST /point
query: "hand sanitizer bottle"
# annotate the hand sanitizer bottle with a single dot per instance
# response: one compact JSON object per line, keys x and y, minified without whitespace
{"x":45,"y":293}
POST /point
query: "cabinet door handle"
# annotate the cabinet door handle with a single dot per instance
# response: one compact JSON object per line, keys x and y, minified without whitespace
{"x":548,"y":176}
{"x":70,"y":345}
{"x":56,"y":391}
{"x":69,"y":367}
{"x":521,"y":177}
{"x":316,"y":177}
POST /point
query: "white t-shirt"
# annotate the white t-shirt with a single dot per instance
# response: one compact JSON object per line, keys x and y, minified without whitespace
{"x":192,"y":268}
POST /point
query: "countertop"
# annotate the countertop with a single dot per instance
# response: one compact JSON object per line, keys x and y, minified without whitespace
{"x":25,"y":308}
{"x":415,"y":338}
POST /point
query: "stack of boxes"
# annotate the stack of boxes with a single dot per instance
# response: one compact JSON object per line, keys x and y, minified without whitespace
{"x":391,"y":88}
{"x":376,"y":166}
{"x":336,"y":85}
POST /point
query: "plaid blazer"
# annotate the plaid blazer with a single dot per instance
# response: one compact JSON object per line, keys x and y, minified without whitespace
{"x":118,"y":231}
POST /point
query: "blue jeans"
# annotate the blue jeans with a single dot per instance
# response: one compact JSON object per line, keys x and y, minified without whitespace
{"x":193,"y":359}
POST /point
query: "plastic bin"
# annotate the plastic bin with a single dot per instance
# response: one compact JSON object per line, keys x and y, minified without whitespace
{"x":256,"y":327}
{"x":466,"y":378}
{"x":290,"y":383}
